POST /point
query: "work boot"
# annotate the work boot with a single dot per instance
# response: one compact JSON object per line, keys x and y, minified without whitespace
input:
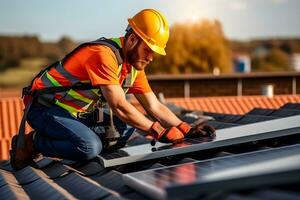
{"x":22,"y":157}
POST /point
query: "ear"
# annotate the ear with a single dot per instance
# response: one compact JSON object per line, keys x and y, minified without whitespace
{"x":133,"y":40}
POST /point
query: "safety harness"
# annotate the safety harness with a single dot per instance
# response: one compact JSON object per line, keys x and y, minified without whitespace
{"x":42,"y":95}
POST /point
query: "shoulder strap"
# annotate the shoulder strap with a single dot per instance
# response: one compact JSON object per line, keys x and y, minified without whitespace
{"x":112,"y":45}
{"x":103,"y":41}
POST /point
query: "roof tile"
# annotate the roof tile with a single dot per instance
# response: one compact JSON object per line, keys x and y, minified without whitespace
{"x":234,"y":105}
{"x":81,"y":187}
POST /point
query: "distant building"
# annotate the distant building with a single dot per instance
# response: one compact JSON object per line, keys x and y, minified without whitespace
{"x":260,"y":51}
{"x":295,"y":61}
{"x":242,"y":63}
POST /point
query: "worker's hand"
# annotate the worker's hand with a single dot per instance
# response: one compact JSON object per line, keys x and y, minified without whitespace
{"x":170,"y":135}
{"x":201,"y":129}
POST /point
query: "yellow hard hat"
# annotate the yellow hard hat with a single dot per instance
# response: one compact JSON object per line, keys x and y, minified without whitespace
{"x":153,"y":28}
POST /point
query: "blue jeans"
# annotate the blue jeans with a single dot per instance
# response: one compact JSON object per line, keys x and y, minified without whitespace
{"x":60,"y":134}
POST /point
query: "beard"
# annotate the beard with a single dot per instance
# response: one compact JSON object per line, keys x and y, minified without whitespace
{"x":133,"y":57}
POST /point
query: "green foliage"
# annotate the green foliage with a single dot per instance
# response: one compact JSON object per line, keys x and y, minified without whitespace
{"x":194,"y":48}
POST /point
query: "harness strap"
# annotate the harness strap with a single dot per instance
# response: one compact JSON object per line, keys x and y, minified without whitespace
{"x":112,"y":45}
{"x":103,"y":41}
{"x":21,"y":134}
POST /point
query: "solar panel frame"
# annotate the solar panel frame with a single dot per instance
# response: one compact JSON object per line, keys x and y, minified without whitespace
{"x":247,"y":133}
{"x":263,"y":173}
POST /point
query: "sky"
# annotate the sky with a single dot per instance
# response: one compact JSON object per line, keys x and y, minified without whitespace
{"x":90,"y":19}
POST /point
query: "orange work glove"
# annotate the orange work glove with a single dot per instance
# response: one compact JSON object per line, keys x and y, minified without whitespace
{"x":201,"y":129}
{"x":158,"y":132}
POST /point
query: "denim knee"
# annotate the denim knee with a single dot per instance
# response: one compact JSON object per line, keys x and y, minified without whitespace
{"x":90,"y":149}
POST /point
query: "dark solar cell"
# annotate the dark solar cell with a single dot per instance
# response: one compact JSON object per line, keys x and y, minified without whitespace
{"x":81,"y":188}
{"x":260,"y":111}
{"x":276,"y":194}
{"x":228,"y":118}
{"x":220,"y":125}
{"x":243,"y":148}
{"x":233,"y":172}
{"x":112,"y":180}
{"x":294,"y":106}
{"x":238,"y":197}
{"x":285,"y":113}
{"x":135,"y":195}
{"x":249,"y":118}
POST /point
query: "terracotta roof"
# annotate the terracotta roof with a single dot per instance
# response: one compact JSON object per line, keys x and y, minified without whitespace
{"x":233,"y":105}
{"x":10,"y":93}
{"x":11,"y":112}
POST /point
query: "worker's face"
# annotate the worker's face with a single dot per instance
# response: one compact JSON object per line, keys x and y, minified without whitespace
{"x":139,"y":55}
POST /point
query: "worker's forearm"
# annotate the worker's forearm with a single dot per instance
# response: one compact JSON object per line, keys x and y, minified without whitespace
{"x":165,"y":116}
{"x":115,"y":97}
{"x":129,"y":114}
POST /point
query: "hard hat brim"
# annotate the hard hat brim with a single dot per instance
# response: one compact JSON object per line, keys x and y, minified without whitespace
{"x":153,"y":47}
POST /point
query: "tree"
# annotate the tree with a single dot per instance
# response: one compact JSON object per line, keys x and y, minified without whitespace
{"x":66,"y":44}
{"x":194,"y":48}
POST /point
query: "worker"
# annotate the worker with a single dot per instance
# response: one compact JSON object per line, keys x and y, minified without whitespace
{"x":86,"y":91}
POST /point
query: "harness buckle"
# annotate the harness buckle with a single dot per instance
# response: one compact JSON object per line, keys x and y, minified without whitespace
{"x":82,"y":115}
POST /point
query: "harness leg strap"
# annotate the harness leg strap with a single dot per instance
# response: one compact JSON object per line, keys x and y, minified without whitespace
{"x":21,"y":134}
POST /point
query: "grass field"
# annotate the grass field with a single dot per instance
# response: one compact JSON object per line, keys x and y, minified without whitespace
{"x":22,"y":75}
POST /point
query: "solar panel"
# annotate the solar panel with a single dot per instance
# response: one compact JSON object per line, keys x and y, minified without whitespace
{"x":249,"y":170}
{"x":295,"y":106}
{"x":260,"y":111}
{"x":221,"y":125}
{"x":228,"y":118}
{"x":224,"y":137}
{"x":247,"y":119}
{"x":285,"y":112}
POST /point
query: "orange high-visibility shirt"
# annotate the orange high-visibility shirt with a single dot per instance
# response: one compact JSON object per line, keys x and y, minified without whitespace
{"x":98,"y":64}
